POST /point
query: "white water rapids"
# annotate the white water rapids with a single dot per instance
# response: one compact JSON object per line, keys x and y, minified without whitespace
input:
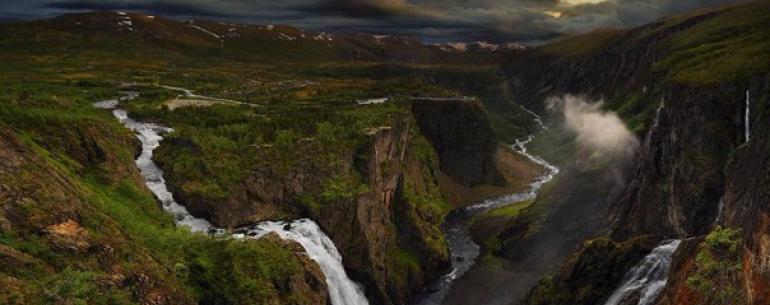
{"x":647,"y":279}
{"x":463,"y":251}
{"x":318,"y":246}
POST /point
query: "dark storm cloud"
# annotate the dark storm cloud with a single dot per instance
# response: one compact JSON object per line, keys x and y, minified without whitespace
{"x":157,"y":7}
{"x":433,"y":20}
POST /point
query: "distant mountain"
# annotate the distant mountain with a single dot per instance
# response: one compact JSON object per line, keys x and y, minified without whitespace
{"x":138,"y":34}
{"x":480,"y":47}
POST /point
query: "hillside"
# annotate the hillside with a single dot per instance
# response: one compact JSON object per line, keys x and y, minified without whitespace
{"x":143,"y":37}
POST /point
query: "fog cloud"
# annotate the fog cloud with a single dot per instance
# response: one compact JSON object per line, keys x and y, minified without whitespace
{"x":600,"y":135}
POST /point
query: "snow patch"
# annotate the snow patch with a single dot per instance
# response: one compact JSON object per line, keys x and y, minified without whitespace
{"x":323,"y":36}
{"x":380,"y":100}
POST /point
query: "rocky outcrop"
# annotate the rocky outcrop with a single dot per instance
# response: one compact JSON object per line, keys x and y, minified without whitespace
{"x":310,"y":282}
{"x":379,"y":202}
{"x":388,"y":221}
{"x":463,"y":138}
{"x":590,"y":276}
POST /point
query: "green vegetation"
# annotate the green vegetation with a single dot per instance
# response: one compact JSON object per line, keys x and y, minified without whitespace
{"x":118,"y":217}
{"x":583,"y":45}
{"x":717,"y":272}
{"x":508,"y":211}
{"x":488,"y":226}
{"x":732,"y":45}
{"x":300,"y":125}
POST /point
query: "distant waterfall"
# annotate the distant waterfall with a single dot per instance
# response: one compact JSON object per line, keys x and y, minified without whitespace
{"x":318,"y":246}
{"x":720,"y":211}
{"x":647,"y":279}
{"x":748,"y":116}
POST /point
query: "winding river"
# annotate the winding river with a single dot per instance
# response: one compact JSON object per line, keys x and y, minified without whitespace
{"x":317,"y":245}
{"x":463,"y":251}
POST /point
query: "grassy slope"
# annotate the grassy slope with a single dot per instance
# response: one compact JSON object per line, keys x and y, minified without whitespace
{"x":730,"y":46}
{"x":117,"y":213}
{"x":582,"y":45}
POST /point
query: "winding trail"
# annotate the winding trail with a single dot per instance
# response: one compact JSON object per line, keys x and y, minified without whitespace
{"x":189,"y":98}
{"x":317,"y":245}
{"x":463,"y":251}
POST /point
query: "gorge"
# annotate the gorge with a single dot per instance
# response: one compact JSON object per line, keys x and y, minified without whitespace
{"x":273,"y":164}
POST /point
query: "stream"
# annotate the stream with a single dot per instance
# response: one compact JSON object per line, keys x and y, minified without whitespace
{"x":462,"y":250}
{"x":317,"y":245}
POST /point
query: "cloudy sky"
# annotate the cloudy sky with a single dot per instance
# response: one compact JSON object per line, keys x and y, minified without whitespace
{"x":432,"y":20}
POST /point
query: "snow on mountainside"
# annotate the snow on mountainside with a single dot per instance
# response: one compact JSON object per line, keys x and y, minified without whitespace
{"x":264,"y":42}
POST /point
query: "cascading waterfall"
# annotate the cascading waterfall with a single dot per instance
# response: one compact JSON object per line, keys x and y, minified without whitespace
{"x":647,"y":279}
{"x":747,"y":119}
{"x":655,"y":122}
{"x":463,"y":251}
{"x":321,"y":249}
{"x":318,"y":246}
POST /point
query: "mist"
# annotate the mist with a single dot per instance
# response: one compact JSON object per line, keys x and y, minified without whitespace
{"x":600,"y":135}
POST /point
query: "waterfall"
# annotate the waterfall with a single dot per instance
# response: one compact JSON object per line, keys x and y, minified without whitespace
{"x":720,"y":211}
{"x":647,"y":279}
{"x":317,"y":245}
{"x":748,"y":116}
{"x":321,"y":249}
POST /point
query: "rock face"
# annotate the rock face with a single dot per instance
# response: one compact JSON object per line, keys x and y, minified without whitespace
{"x":747,"y":195}
{"x":387,"y":228}
{"x":375,"y":226}
{"x":679,"y":165}
{"x":592,"y":274}
{"x":677,"y":183}
{"x":463,"y":139}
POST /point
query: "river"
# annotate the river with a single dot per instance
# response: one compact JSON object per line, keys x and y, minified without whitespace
{"x":317,"y":245}
{"x":463,"y":251}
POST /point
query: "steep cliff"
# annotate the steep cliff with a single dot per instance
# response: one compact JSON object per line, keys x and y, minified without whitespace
{"x":680,"y":84}
{"x":463,"y":139}
{"x":376,"y":195}
{"x":688,"y":141}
